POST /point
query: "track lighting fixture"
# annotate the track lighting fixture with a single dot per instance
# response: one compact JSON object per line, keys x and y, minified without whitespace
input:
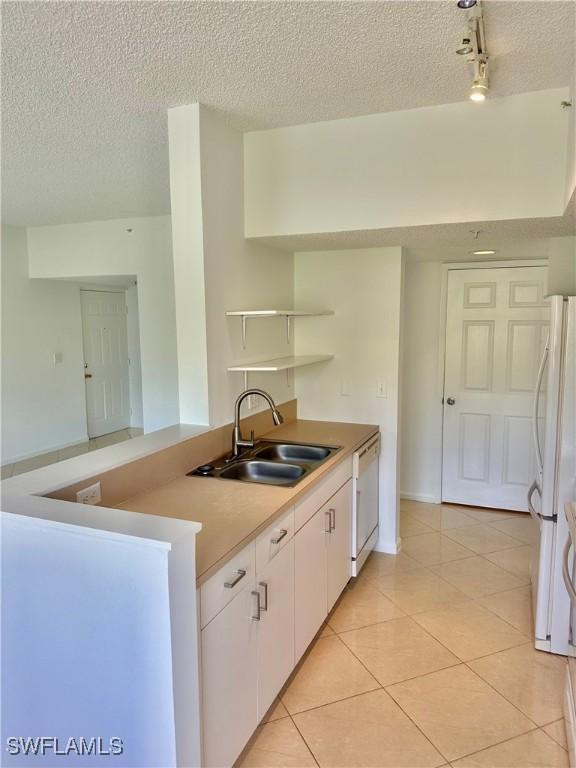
{"x":473,"y":45}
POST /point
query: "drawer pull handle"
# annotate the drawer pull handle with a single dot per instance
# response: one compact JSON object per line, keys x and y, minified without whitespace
{"x":264,"y":585}
{"x":239,"y":575}
{"x":278,"y":539}
{"x":329,"y":516}
{"x":256,"y":616}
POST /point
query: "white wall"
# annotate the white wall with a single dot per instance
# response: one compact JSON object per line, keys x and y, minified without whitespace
{"x":217,"y":270}
{"x":140,"y":247}
{"x":503,"y":159}
{"x":422,"y":383}
{"x":364,"y":288}
{"x":562,"y":266}
{"x":86,"y":648}
{"x":43,"y":403}
{"x":571,"y":154}
{"x":135,"y":370}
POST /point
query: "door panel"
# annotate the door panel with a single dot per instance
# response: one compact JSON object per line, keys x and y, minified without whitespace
{"x":229,"y":680}
{"x":106,"y":361}
{"x":496,"y":326}
{"x":276,"y":629}
{"x":309,"y":580}
{"x":339,"y":543}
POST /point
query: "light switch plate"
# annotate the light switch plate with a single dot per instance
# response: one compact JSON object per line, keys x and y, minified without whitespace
{"x":381,"y":390}
{"x":90,"y":495}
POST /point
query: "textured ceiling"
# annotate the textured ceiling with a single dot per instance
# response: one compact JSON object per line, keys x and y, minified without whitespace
{"x":86,"y":84}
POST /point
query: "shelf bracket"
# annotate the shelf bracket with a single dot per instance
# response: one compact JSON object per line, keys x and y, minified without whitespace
{"x":288,"y":328}
{"x":244,"y":318}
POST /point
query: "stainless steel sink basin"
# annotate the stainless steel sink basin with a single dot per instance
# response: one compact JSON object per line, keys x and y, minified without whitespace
{"x":269,"y":462}
{"x":293,"y":452}
{"x":269,"y":472}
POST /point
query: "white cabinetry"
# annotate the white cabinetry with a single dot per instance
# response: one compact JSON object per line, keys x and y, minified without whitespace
{"x":260,"y":612}
{"x":276,"y":630}
{"x":322,"y":563}
{"x":229,"y":680}
{"x":310,"y":574}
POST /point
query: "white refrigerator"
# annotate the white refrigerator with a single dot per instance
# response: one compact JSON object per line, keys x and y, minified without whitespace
{"x":554,"y":430}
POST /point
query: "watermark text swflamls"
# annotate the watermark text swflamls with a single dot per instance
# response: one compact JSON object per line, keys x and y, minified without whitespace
{"x":81,"y":746}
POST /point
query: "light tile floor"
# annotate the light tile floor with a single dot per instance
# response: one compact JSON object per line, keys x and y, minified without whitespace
{"x":45,"y":459}
{"x":427,"y":659}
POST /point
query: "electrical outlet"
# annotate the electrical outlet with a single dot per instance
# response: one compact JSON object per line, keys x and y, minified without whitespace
{"x":381,"y":389}
{"x":90,"y":495}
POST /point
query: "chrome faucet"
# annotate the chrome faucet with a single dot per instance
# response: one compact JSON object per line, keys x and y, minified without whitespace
{"x":237,"y":440}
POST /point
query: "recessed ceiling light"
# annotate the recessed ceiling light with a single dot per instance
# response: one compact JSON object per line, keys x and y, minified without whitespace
{"x":483,"y":253}
{"x":465,"y":4}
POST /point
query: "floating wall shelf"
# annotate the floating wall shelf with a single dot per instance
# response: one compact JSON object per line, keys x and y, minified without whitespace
{"x":289,"y":314}
{"x":278,"y":364}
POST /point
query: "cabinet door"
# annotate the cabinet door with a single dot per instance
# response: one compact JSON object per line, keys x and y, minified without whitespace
{"x":229,"y":680}
{"x":276,"y":630}
{"x":309,"y":580}
{"x":339,"y":542}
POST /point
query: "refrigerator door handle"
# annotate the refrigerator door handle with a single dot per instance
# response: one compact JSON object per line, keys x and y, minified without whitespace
{"x":535,"y":436}
{"x":566,"y":571}
{"x":533,"y":513}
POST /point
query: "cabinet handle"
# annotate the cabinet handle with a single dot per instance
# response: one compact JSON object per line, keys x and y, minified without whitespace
{"x":278,"y":539}
{"x":240,"y":573}
{"x":256,"y":616}
{"x":332,"y":519}
{"x":264,"y":585}
{"x":329,"y":517}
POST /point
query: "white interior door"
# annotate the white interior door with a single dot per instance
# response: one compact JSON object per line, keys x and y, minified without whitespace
{"x":496,"y":326}
{"x":105,"y":361}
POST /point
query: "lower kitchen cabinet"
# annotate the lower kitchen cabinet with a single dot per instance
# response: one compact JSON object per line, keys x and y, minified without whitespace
{"x":310,"y":580}
{"x":229,"y":679}
{"x":247,"y":655}
{"x":285,"y":584}
{"x":276,"y":626}
{"x":339,"y":543}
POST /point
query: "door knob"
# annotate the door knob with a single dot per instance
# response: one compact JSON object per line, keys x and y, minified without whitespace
{"x":451,"y":401}
{"x":87,"y":375}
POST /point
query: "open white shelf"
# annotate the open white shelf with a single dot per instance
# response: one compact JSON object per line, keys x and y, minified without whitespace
{"x":278,"y":364}
{"x":289,"y":314}
{"x":277,"y":313}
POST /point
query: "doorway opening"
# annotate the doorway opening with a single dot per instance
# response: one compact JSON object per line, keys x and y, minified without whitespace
{"x":112,"y":370}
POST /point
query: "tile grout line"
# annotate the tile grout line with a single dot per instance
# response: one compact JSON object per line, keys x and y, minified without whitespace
{"x":383,"y":688}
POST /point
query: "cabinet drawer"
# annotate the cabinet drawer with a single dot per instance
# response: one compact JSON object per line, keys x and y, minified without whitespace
{"x":322,"y":492}
{"x":274,"y":538}
{"x":215,"y":595}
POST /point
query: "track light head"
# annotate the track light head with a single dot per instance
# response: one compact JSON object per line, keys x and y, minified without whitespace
{"x":466,"y":46}
{"x":479,"y":89}
{"x":466,"y":4}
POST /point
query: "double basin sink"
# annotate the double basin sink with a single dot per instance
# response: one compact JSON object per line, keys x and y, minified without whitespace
{"x":269,"y":463}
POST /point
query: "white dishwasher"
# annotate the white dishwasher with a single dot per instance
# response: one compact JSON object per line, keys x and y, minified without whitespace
{"x":365,"y":502}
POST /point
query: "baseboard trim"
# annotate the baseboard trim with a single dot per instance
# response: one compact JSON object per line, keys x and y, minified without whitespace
{"x":428,"y":498}
{"x":388,"y":547}
{"x":53,"y":449}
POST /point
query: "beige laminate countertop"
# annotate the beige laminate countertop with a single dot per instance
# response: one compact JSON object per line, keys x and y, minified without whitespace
{"x":233,"y":513}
